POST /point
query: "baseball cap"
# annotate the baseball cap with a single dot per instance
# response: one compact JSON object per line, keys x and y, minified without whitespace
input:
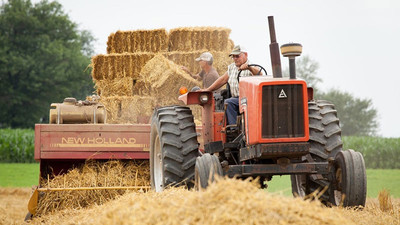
{"x":237,"y":50}
{"x":205,"y":56}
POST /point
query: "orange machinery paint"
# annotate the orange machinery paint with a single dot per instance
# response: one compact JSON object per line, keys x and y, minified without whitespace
{"x":250,"y":88}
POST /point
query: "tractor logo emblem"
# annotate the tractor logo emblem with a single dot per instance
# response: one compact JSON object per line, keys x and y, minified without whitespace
{"x":282,"y":94}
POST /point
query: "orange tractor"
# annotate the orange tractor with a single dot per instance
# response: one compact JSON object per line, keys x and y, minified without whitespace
{"x":281,"y":130}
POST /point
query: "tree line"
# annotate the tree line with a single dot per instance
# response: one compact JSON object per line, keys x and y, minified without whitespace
{"x":44,"y":58}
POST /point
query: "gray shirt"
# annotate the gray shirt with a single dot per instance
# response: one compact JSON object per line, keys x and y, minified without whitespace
{"x":208,"y":78}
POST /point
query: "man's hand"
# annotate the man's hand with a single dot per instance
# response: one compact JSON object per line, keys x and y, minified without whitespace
{"x":184,"y":68}
{"x":244,"y":66}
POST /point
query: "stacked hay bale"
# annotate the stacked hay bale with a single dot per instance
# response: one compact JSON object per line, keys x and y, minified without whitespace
{"x":142,"y":68}
{"x":138,"y":41}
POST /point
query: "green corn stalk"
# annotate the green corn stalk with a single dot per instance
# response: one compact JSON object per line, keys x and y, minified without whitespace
{"x":17,"y":145}
{"x":378,"y":152}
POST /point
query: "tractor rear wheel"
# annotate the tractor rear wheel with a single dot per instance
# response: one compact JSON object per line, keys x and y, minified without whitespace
{"x":173,"y":147}
{"x":325,"y":142}
{"x":350,"y":184}
{"x":207,"y":168}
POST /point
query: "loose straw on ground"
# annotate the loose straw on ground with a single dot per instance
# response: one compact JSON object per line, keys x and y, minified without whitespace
{"x":92,"y":174}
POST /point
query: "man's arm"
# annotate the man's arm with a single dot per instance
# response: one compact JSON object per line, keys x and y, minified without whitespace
{"x":253,"y":69}
{"x":218,"y":83}
{"x":195,"y":76}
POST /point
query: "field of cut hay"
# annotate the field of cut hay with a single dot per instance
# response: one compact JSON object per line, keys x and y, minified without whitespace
{"x":143,"y":68}
{"x":225,"y":202}
{"x":13,"y":205}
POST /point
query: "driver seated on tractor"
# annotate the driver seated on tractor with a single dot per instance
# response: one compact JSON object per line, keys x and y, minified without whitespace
{"x":240,"y":63}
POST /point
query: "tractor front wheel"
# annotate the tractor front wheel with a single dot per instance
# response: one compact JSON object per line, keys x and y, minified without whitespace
{"x":207,"y":169}
{"x":350,"y":181}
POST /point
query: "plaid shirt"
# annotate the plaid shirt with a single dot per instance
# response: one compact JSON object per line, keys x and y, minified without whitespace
{"x":233,"y":72}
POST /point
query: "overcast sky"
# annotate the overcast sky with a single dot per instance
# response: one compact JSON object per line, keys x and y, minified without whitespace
{"x":356,"y":43}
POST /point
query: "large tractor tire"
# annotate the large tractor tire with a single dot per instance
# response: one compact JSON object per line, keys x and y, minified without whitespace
{"x":173,"y":147}
{"x":207,"y":169}
{"x":325,"y":141}
{"x":350,"y":184}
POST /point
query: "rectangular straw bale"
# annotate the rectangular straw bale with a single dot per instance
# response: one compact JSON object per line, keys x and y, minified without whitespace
{"x":113,"y":108}
{"x":129,"y":109}
{"x":99,"y":66}
{"x":138,"y":41}
{"x":116,"y":87}
{"x":112,"y":66}
{"x":231,"y":44}
{"x":166,"y":100}
{"x":137,"y":109}
{"x":109,"y":43}
{"x":199,"y":38}
{"x":187,"y":59}
{"x":164,"y":78}
{"x":110,"y":61}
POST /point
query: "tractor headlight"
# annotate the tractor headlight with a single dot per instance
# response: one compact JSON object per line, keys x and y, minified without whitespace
{"x":203,"y":98}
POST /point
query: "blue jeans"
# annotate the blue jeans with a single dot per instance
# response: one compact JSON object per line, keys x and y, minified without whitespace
{"x":232,"y":110}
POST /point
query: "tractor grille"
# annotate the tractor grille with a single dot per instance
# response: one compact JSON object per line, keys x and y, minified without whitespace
{"x":282,"y":111}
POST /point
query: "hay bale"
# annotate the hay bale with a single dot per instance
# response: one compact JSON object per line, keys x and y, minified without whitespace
{"x":138,"y":41}
{"x":116,"y":87}
{"x":137,"y":109}
{"x":162,"y":78}
{"x":199,"y":38}
{"x":110,"y":43}
{"x":187,"y":59}
{"x":114,"y":66}
{"x":231,"y":44}
{"x":113,"y":108}
{"x":92,"y":174}
{"x":129,"y":109}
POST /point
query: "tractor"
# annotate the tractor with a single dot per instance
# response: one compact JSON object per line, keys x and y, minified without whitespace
{"x":281,"y":130}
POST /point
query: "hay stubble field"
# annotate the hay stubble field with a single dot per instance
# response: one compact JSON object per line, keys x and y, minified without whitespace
{"x":226,"y":202}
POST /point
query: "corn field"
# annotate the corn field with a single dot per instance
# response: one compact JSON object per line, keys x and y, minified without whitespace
{"x":17,"y":145}
{"x":378,"y":152}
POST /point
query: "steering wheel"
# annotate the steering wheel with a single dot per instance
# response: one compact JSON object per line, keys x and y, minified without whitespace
{"x":261,"y":68}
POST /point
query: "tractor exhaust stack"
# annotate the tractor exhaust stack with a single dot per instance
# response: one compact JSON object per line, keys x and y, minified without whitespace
{"x":274,"y":50}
